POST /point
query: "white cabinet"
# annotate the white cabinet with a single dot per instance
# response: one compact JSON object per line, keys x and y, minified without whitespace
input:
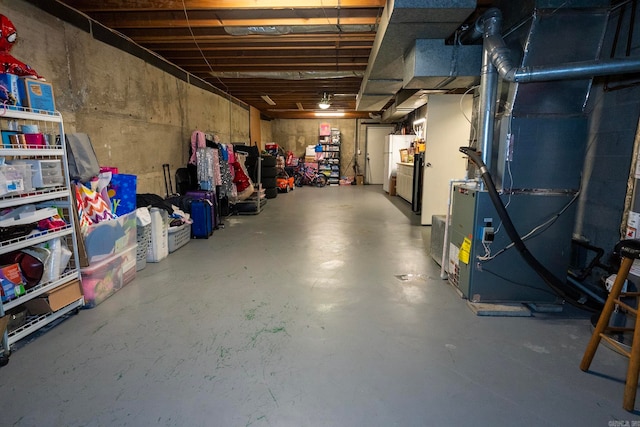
{"x":58,"y":291}
{"x":404,"y":181}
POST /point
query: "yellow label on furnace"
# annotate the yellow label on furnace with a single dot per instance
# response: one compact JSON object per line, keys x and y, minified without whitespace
{"x":465,"y":251}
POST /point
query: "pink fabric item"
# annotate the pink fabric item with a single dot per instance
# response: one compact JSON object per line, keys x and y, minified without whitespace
{"x":232,"y":156}
{"x":198,"y":140}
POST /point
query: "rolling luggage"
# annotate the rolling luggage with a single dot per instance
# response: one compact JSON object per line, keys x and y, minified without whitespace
{"x":185,"y":181}
{"x":202,"y":227}
{"x":168,"y":184}
{"x":211,"y":197}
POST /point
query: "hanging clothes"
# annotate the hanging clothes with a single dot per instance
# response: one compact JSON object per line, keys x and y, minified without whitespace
{"x":198,"y":140}
{"x":227,"y":188}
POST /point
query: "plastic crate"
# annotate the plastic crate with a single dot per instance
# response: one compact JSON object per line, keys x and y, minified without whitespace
{"x":179,"y":236}
{"x":15,"y":179}
{"x":143,"y":236}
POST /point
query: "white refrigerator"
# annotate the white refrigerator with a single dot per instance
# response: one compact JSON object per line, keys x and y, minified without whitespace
{"x":391,"y":155}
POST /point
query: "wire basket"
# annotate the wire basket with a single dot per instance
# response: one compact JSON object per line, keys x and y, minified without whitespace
{"x":143,"y":236}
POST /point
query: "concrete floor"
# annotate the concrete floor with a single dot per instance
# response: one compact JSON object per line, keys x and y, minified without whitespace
{"x":297,"y":317}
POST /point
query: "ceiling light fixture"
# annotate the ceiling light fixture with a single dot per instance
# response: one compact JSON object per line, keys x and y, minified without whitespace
{"x":268,"y":100}
{"x":325,"y":102}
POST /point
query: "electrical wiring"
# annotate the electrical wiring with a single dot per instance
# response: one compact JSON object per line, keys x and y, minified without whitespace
{"x":533,"y":232}
{"x":473,"y":127}
{"x":186,"y":16}
{"x":507,"y":188}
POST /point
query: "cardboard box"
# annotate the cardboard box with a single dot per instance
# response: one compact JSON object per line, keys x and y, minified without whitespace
{"x":359,"y":179}
{"x":4,"y":321}
{"x":37,"y":95}
{"x":55,"y":299}
{"x":11,"y":282}
{"x":13,"y":85}
{"x":7,"y":141}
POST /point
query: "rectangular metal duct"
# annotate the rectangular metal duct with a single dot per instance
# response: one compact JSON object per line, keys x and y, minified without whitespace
{"x":430,"y":64}
{"x":405,"y":101}
{"x":403,"y":22}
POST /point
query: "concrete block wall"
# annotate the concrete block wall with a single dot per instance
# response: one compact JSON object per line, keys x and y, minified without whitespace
{"x":137,"y":115}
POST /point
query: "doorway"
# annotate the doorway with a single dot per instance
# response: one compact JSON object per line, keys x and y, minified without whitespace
{"x":374,"y":152}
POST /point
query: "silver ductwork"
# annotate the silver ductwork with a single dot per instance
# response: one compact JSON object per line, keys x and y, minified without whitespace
{"x":487,"y":113}
{"x":501,"y":57}
{"x":285,"y":75}
{"x":432,"y":64}
{"x":298,"y":29}
{"x":558,"y":89}
{"x":401,"y":24}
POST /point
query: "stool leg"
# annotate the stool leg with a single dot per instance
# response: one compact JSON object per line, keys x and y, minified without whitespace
{"x":605,"y":316}
{"x":631,"y":385}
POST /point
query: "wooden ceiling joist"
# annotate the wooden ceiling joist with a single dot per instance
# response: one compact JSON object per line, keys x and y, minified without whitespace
{"x":154,"y":5}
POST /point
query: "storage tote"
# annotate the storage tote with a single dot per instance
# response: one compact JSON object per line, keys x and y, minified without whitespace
{"x":179,"y":236}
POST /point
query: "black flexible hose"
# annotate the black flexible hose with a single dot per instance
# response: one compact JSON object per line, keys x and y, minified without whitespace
{"x":563,"y":290}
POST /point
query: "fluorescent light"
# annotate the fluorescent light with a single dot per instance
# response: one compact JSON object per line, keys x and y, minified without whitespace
{"x":268,"y":100}
{"x":327,"y":114}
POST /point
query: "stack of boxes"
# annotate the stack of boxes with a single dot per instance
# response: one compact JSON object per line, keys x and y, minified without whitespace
{"x":28,"y":92}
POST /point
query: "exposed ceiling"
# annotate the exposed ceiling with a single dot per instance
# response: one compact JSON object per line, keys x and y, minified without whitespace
{"x":286,"y":52}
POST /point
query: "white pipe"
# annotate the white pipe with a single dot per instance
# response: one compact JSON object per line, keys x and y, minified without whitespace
{"x":445,"y":246}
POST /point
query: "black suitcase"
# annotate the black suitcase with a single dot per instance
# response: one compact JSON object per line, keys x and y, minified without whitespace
{"x":184,"y":181}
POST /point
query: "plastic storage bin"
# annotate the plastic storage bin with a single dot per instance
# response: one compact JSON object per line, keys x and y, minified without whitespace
{"x":45,"y":173}
{"x":110,"y":237}
{"x":129,"y":263}
{"x":102,"y":279}
{"x":179,"y":236}
{"x":15,"y":179}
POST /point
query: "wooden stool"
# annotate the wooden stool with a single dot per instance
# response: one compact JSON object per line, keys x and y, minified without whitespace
{"x":629,"y":250}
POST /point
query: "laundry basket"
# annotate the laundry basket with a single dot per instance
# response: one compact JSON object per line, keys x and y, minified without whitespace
{"x":143,"y":237}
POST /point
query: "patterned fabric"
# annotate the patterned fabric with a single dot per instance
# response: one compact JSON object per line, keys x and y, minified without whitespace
{"x":205,"y":169}
{"x":94,"y":206}
{"x":217,"y":173}
{"x":122,"y":193}
{"x":227,"y":188}
{"x":85,"y":221}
